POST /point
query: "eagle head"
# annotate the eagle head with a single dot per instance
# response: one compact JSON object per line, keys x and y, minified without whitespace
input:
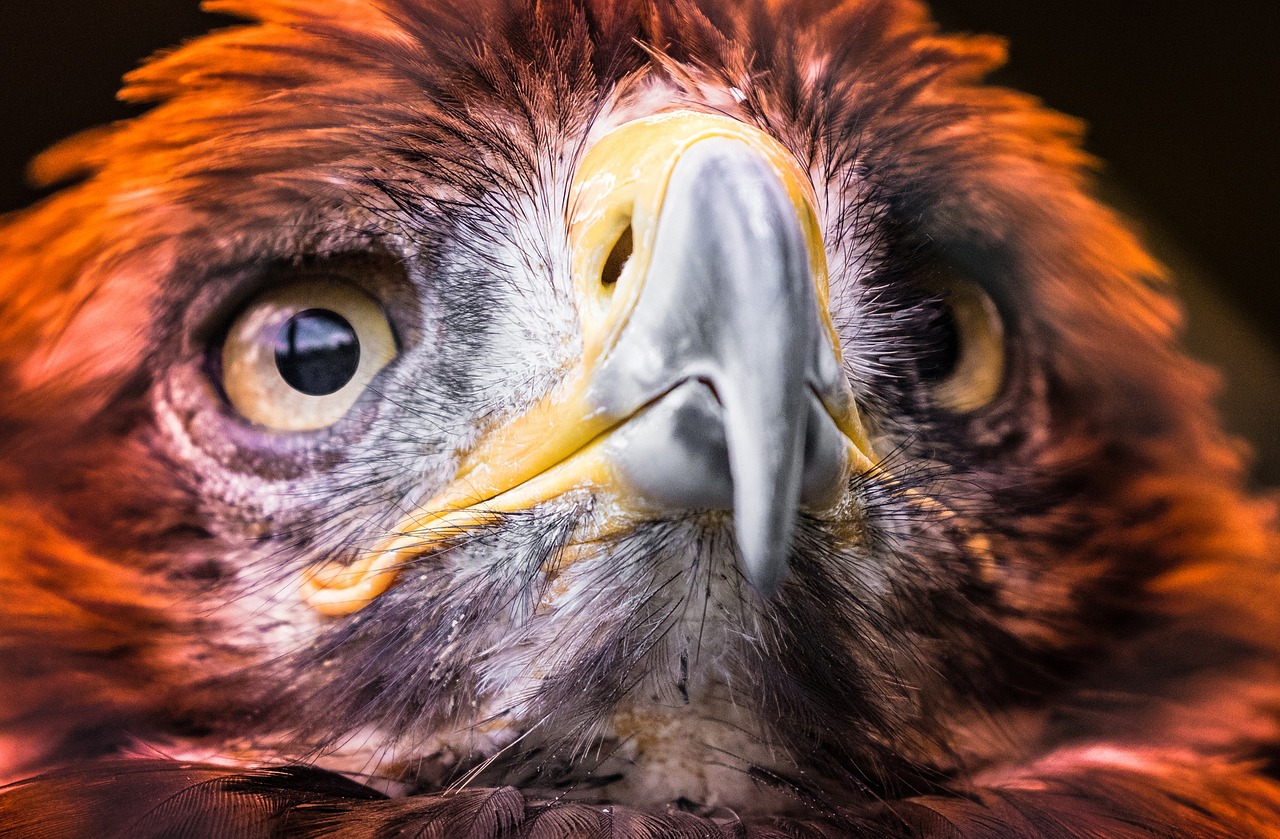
{"x":681,"y":416}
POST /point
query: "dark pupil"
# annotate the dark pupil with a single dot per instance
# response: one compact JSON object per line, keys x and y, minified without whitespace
{"x":317,"y":352}
{"x":940,"y":350}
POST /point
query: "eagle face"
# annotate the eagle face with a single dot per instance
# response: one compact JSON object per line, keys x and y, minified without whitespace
{"x":687,"y":405}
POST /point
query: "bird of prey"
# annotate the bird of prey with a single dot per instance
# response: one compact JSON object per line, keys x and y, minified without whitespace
{"x":586,"y":418}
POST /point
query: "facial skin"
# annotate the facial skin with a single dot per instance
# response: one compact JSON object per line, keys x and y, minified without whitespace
{"x":950,"y":526}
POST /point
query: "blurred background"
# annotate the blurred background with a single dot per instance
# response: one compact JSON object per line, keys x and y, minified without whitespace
{"x":1182,"y":98}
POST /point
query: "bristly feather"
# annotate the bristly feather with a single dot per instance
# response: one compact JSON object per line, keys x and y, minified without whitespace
{"x":1058,"y":619}
{"x":142,"y":799}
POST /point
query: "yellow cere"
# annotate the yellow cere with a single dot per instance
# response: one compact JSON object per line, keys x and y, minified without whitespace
{"x":623,"y":181}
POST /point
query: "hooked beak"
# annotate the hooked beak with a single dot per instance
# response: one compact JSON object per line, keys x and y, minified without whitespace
{"x":710,"y":377}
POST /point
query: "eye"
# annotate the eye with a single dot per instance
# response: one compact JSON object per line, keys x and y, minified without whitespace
{"x":298,"y":357}
{"x":963,"y":357}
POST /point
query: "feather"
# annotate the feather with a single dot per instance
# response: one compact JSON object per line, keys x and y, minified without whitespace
{"x":153,"y":799}
{"x":468,"y":813}
{"x":150,"y":799}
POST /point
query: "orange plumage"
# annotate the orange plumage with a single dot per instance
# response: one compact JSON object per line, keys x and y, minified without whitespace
{"x":1046,"y":612}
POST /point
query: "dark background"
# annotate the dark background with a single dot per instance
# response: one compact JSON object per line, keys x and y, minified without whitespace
{"x":1181,"y":98}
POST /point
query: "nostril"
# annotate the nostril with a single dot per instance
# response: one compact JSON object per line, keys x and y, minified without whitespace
{"x":617,"y":259}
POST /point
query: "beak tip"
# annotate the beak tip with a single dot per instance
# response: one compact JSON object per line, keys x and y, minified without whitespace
{"x":769,"y":588}
{"x":765,"y":567}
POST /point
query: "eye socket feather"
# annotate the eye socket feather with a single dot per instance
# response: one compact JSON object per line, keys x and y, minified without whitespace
{"x":299,"y":356}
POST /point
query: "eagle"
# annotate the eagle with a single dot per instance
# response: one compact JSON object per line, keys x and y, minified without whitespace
{"x":587,"y":418}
